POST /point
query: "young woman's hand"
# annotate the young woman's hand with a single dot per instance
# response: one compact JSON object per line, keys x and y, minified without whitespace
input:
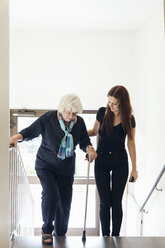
{"x":133,"y":174}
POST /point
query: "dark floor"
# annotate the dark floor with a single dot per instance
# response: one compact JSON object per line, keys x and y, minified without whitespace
{"x":91,"y":242}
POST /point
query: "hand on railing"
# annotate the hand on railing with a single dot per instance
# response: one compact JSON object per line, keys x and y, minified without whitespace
{"x":13,"y":140}
{"x":12,"y":143}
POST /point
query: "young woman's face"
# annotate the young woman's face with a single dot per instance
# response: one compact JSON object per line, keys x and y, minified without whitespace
{"x":68,"y":115}
{"x":113,"y":103}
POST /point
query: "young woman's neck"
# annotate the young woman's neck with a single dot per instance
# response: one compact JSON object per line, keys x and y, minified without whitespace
{"x":116,"y":114}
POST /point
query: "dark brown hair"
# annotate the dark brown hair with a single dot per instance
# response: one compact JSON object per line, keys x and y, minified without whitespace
{"x":121,"y":93}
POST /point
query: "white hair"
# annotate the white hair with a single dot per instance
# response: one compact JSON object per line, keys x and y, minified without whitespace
{"x":70,"y":102}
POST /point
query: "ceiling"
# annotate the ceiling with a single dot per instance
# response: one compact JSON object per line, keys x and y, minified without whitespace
{"x":80,"y":14}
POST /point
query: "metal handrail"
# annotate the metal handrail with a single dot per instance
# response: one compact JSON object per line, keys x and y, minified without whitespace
{"x":148,"y":197}
{"x":21,"y":201}
{"x":154,"y":186}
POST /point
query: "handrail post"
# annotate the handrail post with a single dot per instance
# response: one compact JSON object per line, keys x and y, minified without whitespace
{"x":141,"y":224}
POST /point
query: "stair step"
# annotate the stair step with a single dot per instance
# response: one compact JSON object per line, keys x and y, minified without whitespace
{"x":91,"y":242}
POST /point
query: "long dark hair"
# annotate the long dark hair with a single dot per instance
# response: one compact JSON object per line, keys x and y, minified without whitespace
{"x":121,"y":93}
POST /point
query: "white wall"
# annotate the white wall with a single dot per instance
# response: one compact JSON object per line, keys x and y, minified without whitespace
{"x":45,"y":64}
{"x":4,"y":124}
{"x":149,"y":90}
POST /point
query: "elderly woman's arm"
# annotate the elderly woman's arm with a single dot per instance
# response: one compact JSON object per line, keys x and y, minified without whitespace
{"x":33,"y":131}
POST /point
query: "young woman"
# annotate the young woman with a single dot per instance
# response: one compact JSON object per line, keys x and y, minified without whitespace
{"x":61,"y":131}
{"x":112,"y":125}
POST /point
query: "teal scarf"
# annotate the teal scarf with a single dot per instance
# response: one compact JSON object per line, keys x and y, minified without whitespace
{"x":66,"y":147}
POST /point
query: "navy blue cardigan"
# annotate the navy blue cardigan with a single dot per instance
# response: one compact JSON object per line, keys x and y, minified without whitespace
{"x":49,"y":127}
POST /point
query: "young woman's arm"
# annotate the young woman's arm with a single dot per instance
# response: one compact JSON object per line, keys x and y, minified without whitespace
{"x":132,"y":152}
{"x":94,"y":130}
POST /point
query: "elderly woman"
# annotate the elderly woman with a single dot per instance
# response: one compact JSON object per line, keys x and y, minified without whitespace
{"x":61,"y":131}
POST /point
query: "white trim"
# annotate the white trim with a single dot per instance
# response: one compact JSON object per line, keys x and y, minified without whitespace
{"x":77,"y":180}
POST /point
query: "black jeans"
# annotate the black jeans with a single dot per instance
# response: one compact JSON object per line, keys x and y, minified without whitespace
{"x":111,"y":196}
{"x":56,"y":201}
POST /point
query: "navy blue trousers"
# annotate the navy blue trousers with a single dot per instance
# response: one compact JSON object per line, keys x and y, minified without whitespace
{"x":111,"y":194}
{"x":56,"y":201}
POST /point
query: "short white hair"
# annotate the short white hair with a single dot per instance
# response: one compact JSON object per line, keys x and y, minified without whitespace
{"x":70,"y":102}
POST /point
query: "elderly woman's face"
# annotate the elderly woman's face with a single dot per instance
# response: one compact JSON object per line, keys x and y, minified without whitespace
{"x":68,"y":115}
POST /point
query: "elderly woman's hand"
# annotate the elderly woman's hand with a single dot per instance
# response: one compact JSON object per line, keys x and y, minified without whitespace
{"x":91,"y":153}
{"x":13,"y":140}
